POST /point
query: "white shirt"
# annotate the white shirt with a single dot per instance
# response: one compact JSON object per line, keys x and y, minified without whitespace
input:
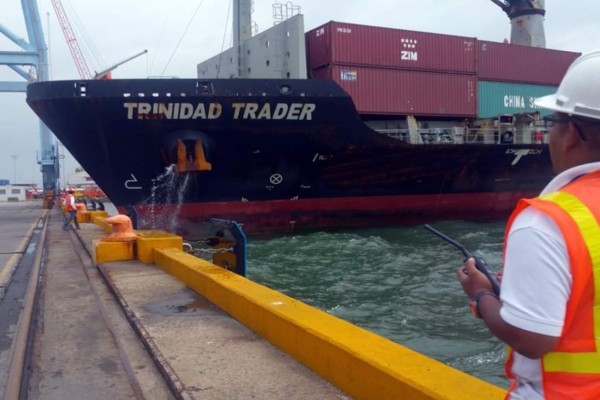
{"x":70,"y":201}
{"x":536,"y":284}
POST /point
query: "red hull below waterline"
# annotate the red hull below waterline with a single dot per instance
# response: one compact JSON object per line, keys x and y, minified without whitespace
{"x":285,"y":216}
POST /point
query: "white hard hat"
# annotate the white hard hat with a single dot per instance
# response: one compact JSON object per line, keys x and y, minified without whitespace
{"x":579,"y":90}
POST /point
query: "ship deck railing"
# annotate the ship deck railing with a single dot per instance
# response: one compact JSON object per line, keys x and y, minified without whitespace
{"x":468,"y":136}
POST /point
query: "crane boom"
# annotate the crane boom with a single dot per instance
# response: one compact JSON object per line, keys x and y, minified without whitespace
{"x":102,"y":74}
{"x":80,"y":63}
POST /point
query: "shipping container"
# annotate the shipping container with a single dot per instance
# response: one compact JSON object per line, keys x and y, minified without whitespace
{"x":521,"y":64}
{"x":382,"y":91}
{"x":370,"y":46}
{"x":495,"y":98}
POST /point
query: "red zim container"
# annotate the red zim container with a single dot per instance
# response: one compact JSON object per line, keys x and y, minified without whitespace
{"x":522,"y":64}
{"x":360,"y":45}
{"x":403,"y":92}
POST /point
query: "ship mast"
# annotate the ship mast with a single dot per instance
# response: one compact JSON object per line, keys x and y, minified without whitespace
{"x":527,"y":21}
{"x":242,"y":31}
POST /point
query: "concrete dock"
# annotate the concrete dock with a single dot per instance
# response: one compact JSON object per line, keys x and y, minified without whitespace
{"x":121,"y":330}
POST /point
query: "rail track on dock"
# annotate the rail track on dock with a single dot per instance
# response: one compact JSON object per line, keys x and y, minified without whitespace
{"x":67,"y":337}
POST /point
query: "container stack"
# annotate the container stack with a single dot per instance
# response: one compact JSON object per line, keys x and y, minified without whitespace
{"x":400,"y":72}
{"x":396,"y":72}
{"x":511,"y":77}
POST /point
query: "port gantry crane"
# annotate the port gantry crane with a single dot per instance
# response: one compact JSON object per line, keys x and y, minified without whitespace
{"x":527,"y":21}
{"x":34,"y":54}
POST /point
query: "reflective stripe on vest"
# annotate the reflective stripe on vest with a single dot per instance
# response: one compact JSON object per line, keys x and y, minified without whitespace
{"x":580,"y":362}
{"x":68,"y":199}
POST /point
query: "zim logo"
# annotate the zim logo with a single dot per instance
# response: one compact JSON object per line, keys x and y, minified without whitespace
{"x":410,"y":55}
{"x":410,"y":50}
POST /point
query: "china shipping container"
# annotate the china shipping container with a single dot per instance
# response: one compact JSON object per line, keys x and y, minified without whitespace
{"x":360,"y":45}
{"x":380,"y":91}
{"x":495,"y":98}
{"x":521,"y":64}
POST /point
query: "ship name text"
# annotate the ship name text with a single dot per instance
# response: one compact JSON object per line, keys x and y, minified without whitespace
{"x":173,"y":110}
{"x":293,"y":111}
{"x":214,"y":110}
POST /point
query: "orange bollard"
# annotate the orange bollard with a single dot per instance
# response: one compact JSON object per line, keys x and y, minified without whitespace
{"x":122,"y":229}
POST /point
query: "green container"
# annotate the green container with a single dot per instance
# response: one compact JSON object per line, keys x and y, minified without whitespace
{"x":495,"y":98}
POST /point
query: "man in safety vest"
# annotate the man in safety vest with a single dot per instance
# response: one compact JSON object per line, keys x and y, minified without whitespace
{"x":548,"y":312}
{"x":71,"y":209}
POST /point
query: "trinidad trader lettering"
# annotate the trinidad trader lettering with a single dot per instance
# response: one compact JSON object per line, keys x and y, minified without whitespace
{"x":250,"y":111}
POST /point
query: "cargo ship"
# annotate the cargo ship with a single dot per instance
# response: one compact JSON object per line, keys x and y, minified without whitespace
{"x":324,"y":129}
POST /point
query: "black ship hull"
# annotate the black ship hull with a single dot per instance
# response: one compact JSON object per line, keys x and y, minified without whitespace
{"x":274,"y":155}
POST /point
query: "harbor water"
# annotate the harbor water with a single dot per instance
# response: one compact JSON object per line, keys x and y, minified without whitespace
{"x":397,"y":282}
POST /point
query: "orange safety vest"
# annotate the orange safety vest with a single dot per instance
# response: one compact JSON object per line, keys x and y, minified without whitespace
{"x":67,"y":203}
{"x":572,"y":369}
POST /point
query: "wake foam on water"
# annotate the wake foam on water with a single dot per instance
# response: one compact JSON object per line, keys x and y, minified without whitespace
{"x":397,"y":282}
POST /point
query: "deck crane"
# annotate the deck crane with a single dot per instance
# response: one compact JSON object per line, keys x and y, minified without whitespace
{"x":527,"y":21}
{"x":80,"y":63}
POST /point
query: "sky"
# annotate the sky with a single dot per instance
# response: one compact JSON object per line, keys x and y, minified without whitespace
{"x":178,"y":34}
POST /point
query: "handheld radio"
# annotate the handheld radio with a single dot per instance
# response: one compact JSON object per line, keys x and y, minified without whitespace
{"x":479,"y":262}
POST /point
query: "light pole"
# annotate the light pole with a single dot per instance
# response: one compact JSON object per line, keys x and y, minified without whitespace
{"x":14,"y":157}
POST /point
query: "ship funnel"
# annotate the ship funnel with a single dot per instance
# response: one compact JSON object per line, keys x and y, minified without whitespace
{"x":527,"y":21}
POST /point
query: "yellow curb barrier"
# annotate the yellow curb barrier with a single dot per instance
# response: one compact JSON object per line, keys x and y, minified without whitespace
{"x":142,"y":248}
{"x":359,"y":362}
{"x":112,"y":251}
{"x":94,"y":214}
{"x":83,"y":216}
{"x":149,"y":240}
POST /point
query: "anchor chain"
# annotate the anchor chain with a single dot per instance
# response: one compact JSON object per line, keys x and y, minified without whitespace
{"x":188,"y":248}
